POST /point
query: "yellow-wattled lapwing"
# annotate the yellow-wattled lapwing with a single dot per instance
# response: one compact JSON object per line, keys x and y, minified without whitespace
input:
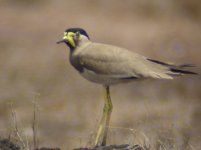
{"x":107,"y":65}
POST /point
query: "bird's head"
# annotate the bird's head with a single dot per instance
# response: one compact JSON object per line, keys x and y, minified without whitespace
{"x":73,"y":37}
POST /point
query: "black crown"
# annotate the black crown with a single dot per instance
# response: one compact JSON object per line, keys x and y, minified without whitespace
{"x":80,"y":30}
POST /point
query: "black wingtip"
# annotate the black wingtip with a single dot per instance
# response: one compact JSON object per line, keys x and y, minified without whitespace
{"x":183,"y":71}
{"x":187,"y":65}
{"x":178,"y":69}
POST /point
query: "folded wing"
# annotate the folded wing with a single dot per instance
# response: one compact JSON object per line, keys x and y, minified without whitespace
{"x":120,"y":63}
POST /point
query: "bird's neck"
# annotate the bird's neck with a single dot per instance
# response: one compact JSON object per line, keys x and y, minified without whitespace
{"x":82,"y":42}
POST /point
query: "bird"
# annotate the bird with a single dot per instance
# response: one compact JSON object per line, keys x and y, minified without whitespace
{"x":109,"y":65}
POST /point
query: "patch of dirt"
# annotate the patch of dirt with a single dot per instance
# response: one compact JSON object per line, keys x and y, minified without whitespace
{"x":6,"y":144}
{"x":115,"y":147}
{"x":45,"y":148}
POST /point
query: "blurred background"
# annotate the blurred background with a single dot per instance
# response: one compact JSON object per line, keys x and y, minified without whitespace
{"x":33,"y":68}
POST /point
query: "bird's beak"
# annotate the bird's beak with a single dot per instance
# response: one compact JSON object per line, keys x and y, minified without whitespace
{"x":62,"y":41}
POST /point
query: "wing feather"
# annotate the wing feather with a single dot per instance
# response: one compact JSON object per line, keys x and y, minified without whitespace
{"x":117,"y":62}
{"x":107,"y":60}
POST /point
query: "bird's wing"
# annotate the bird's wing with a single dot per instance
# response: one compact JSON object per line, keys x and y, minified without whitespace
{"x":106,"y":60}
{"x":121,"y":63}
{"x":116,"y":62}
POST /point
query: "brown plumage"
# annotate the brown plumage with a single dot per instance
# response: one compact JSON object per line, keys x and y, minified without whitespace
{"x":108,"y":65}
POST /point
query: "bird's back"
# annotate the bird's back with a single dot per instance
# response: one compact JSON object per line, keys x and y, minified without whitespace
{"x":120,"y":64}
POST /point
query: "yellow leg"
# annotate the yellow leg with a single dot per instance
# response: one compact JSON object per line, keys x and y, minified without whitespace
{"x":101,"y":136}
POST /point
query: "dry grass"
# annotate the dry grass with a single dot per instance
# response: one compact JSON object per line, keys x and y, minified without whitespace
{"x":33,"y":65}
{"x":15,"y":134}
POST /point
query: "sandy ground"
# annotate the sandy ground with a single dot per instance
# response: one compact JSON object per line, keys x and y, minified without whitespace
{"x":34,"y":68}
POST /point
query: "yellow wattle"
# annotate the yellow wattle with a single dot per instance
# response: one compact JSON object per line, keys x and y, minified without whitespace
{"x":70,"y":38}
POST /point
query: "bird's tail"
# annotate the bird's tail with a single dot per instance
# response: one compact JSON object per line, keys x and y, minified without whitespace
{"x":176,"y":70}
